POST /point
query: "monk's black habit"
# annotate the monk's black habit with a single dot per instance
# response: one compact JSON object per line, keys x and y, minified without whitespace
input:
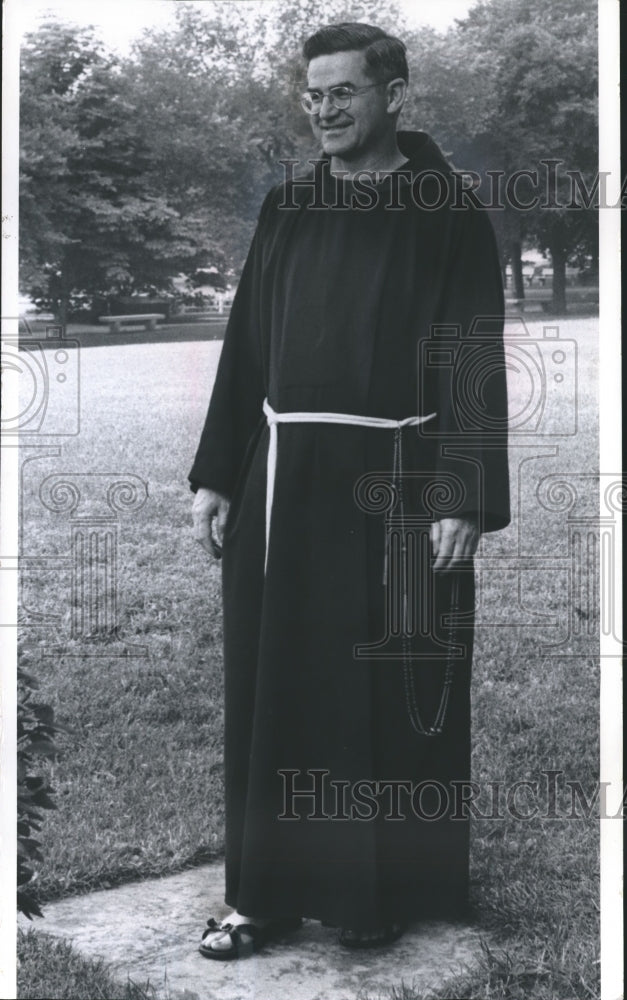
{"x":388,"y":305}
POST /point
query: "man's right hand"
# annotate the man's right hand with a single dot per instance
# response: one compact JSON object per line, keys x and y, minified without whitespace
{"x":209,"y":506}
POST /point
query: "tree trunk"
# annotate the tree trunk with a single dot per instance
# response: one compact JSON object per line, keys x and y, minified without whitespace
{"x":515,"y":253}
{"x":558,"y":260}
{"x":503,"y":263}
{"x":63,"y":312}
{"x":64,"y":297}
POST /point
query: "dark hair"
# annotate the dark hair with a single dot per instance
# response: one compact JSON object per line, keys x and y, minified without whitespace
{"x":385,"y":55}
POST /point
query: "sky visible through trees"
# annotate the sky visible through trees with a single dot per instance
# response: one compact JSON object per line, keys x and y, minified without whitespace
{"x":119,"y":22}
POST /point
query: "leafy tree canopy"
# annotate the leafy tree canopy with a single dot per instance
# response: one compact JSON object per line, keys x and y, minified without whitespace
{"x":89,"y":223}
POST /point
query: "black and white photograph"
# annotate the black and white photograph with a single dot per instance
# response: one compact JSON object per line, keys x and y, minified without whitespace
{"x":311,"y":500}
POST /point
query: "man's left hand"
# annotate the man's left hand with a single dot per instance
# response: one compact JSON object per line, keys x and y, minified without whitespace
{"x":454,"y":540}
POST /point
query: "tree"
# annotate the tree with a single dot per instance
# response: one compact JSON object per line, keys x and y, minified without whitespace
{"x":89,"y":223}
{"x":512,"y":87}
{"x":203,"y":115}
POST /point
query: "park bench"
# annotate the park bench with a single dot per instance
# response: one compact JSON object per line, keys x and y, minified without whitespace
{"x":527,"y":305}
{"x":148,"y":320}
{"x":571,"y":275}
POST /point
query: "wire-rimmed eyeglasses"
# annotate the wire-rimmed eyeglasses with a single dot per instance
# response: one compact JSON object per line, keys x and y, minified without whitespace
{"x":339,"y":97}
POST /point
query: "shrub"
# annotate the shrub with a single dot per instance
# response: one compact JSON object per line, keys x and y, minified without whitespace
{"x":35,"y":739}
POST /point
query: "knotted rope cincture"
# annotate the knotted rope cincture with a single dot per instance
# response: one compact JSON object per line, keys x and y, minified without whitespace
{"x":354,"y":420}
{"x":315,"y":417}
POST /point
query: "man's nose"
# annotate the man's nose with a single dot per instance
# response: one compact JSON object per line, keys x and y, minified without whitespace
{"x":327,"y":107}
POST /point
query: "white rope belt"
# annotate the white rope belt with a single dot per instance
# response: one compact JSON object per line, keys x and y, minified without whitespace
{"x":314,"y":417}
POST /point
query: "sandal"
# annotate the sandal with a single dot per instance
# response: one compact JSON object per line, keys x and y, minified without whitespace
{"x":385,"y":935}
{"x":246,"y":939}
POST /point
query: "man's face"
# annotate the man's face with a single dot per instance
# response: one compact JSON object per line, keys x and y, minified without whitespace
{"x":351,"y":133}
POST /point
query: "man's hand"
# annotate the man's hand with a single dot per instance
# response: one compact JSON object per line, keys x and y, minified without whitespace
{"x":209,"y":506}
{"x":453,"y":539}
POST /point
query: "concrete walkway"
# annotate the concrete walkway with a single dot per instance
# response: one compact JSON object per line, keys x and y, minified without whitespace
{"x":151,"y":930}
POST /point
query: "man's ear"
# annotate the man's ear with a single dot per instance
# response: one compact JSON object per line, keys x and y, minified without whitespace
{"x":397,"y":92}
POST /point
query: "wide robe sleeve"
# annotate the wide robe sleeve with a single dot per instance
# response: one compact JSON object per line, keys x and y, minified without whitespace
{"x":235,"y":408}
{"x":466,"y":350}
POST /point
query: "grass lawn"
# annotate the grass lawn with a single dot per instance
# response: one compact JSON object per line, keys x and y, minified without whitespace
{"x":49,"y":967}
{"x":139,"y":779}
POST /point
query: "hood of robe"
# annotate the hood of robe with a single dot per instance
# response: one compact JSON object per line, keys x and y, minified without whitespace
{"x":422,"y":151}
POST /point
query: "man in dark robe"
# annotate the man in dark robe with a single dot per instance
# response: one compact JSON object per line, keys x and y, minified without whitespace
{"x":353,"y":452}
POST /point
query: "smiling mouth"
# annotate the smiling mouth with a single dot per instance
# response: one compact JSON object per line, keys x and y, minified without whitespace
{"x":334,"y":128}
